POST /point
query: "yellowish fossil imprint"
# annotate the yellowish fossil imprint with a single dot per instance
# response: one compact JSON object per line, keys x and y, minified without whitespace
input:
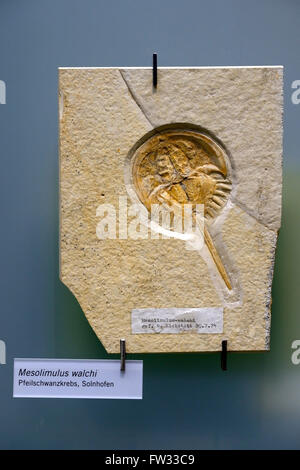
{"x":182,"y":166}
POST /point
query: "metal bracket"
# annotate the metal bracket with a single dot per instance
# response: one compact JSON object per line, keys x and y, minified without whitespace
{"x":154,"y":70}
{"x":123,"y":354}
{"x":224,"y":355}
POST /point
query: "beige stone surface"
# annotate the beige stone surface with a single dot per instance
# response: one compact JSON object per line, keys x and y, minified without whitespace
{"x":103,"y":113}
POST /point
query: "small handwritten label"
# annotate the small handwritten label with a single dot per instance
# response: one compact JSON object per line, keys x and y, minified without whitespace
{"x":177,"y":320}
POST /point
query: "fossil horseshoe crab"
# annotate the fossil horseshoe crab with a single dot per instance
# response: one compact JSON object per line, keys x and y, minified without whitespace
{"x":178,"y":167}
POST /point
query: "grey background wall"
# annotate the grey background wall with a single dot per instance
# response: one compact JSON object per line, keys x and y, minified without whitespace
{"x":188,"y":401}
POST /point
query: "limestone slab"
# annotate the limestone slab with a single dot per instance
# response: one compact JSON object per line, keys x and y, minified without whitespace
{"x":108,"y":117}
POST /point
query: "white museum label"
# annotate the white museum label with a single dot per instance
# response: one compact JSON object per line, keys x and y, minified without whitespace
{"x":77,"y":378}
{"x":177,"y":320}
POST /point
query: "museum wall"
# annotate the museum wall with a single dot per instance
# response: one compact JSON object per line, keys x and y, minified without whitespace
{"x":189,"y":402}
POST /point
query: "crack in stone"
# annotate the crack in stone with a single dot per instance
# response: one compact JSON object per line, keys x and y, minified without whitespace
{"x":133,"y":96}
{"x":251,"y":214}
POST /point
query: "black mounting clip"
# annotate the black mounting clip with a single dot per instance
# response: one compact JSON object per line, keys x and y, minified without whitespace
{"x":123,"y":354}
{"x":224,"y":355}
{"x":154,"y":70}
